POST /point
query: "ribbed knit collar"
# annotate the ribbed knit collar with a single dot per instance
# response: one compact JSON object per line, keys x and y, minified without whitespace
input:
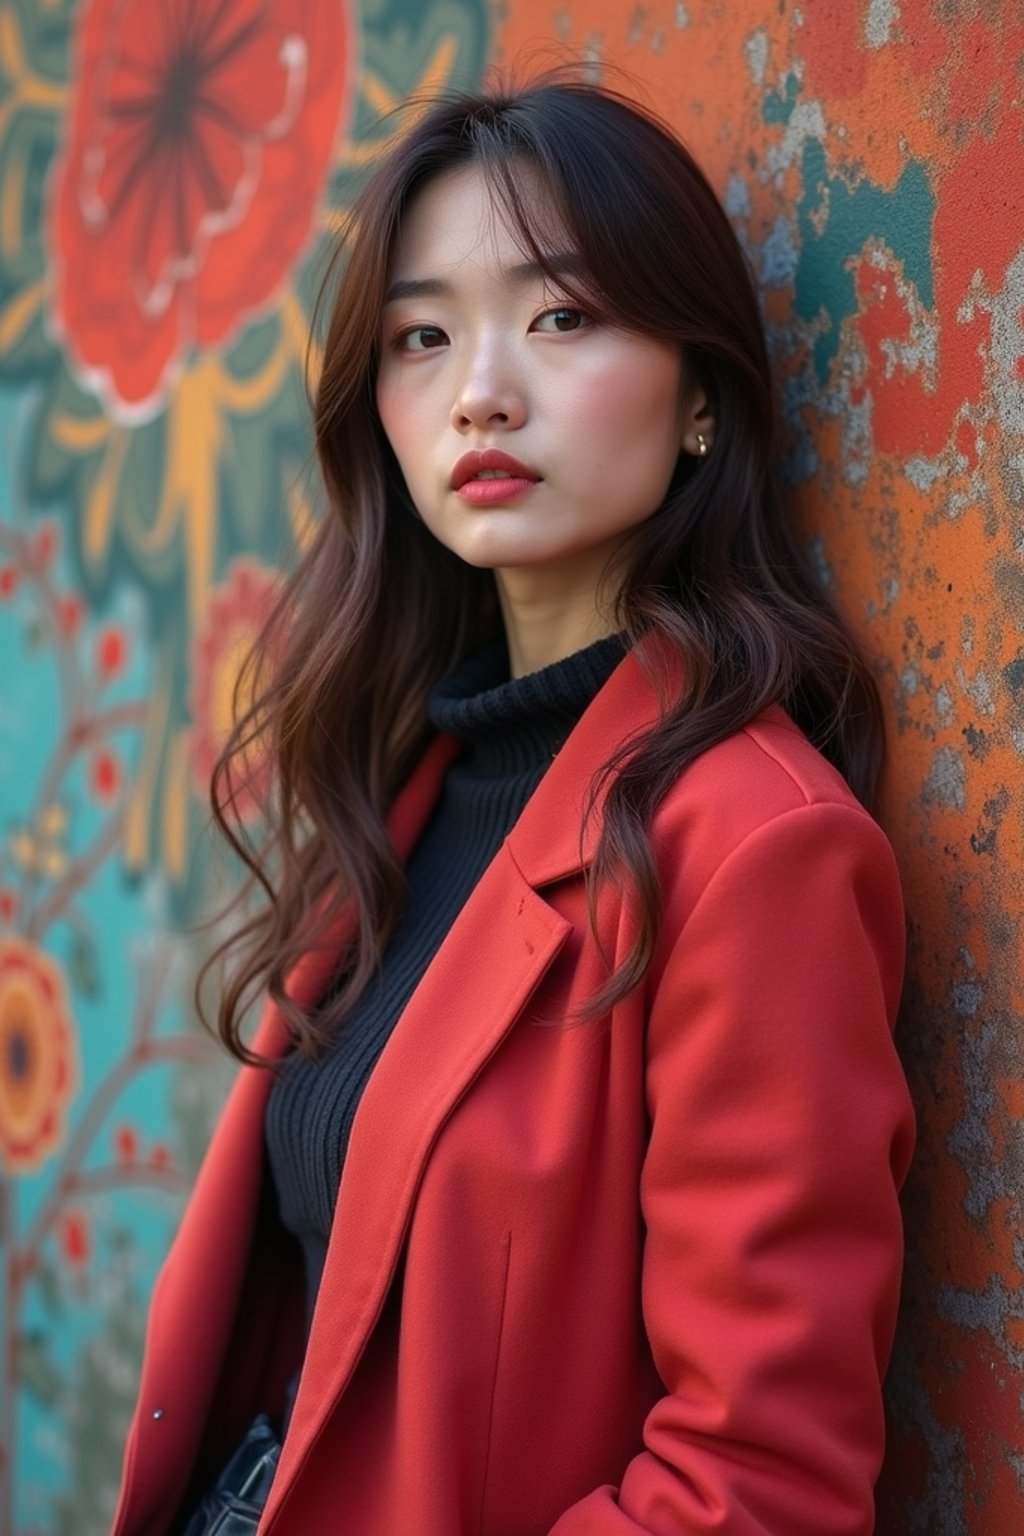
{"x":511,"y":724}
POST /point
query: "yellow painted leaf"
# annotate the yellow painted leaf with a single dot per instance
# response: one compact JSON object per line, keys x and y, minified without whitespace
{"x":79,"y":434}
{"x":245,"y":396}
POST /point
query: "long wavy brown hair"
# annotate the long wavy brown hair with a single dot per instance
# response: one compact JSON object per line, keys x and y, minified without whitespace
{"x":378,"y":610}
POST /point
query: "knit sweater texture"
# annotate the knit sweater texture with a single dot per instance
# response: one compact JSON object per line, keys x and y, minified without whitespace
{"x":510,"y":730}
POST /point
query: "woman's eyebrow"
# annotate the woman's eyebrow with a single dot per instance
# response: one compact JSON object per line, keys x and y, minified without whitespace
{"x":564,"y":264}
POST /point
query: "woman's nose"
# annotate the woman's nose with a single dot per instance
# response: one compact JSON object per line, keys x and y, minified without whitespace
{"x":489,"y":396}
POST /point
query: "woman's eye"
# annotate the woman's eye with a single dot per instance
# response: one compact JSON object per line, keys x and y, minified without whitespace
{"x":561,"y":319}
{"x":420,"y":338}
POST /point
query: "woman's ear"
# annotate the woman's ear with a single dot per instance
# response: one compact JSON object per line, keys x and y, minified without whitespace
{"x":698,"y":424}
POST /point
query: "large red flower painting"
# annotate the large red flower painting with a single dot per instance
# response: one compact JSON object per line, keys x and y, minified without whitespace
{"x":198,"y":142}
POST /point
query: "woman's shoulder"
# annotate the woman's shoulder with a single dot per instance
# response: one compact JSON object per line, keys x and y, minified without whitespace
{"x":765,"y":781}
{"x":764,"y":769}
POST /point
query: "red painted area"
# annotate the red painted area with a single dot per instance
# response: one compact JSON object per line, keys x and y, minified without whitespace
{"x":44,"y":544}
{"x":70,"y":611}
{"x":829,"y":42}
{"x":75,"y":1241}
{"x":162,"y":241}
{"x":900,"y":384}
{"x":110,"y":653}
{"x":105,"y":776}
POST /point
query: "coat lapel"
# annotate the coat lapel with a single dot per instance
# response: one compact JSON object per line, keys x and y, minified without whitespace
{"x":550,"y":840}
{"x":493,"y":958}
{"x":499,"y":948}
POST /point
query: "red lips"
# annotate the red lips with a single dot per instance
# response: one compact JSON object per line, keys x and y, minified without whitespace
{"x":473,"y":463}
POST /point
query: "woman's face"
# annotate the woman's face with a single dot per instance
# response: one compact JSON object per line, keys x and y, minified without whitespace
{"x":530,"y":434}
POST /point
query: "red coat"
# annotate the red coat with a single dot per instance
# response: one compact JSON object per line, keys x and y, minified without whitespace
{"x":593,"y":1279}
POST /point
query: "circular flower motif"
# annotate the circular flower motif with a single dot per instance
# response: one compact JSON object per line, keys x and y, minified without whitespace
{"x":237,"y":612}
{"x":198,"y":141}
{"x":38,"y":1071}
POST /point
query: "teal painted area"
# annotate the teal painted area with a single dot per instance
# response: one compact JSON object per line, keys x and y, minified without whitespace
{"x":835,"y":219}
{"x":777,"y":107}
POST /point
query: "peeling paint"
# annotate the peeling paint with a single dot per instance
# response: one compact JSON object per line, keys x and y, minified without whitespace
{"x":1013,"y":677}
{"x":737,"y":198}
{"x":945,"y":1449}
{"x":879,"y":22}
{"x":947,"y":780}
{"x":756,"y":50}
{"x":978,"y":689}
{"x":924,"y":473}
{"x":1007,"y":345}
{"x":822,"y":567}
{"x":966,"y":997}
{"x":944,"y":706}
{"x":779,"y":255}
{"x":805,"y":123}
{"x":857,"y":445}
{"x":990,"y":1309}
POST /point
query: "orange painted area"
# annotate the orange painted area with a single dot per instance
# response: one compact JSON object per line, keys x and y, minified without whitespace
{"x":904,"y":432}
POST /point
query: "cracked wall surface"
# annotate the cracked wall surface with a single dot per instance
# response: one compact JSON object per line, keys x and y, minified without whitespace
{"x":870,"y":153}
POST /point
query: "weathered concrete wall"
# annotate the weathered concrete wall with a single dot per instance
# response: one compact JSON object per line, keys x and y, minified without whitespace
{"x":871,"y":155}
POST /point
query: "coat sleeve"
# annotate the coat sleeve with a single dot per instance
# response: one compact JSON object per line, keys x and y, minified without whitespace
{"x":780,"y":1132}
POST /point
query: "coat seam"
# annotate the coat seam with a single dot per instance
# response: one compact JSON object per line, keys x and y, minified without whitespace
{"x":764,"y":829}
{"x":507,"y":1245}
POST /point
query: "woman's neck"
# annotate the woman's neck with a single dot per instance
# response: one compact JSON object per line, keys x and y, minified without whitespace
{"x":550,"y":614}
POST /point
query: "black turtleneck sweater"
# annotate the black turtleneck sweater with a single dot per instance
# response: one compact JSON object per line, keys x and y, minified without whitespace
{"x":511,"y":730}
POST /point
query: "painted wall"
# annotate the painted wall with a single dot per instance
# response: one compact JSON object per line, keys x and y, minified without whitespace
{"x":153,"y":314}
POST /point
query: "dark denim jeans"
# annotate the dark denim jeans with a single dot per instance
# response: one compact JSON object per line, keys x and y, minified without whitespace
{"x":234,"y":1504}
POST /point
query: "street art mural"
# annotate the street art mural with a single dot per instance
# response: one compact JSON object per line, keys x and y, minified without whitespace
{"x":155,"y":481}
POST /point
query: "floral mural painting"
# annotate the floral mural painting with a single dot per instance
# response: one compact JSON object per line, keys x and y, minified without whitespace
{"x":172,"y":177}
{"x":197,"y":144}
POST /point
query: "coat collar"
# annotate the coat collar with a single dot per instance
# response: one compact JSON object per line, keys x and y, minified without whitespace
{"x":550,"y":840}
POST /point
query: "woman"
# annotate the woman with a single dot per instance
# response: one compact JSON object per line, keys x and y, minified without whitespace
{"x":571,"y":1204}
